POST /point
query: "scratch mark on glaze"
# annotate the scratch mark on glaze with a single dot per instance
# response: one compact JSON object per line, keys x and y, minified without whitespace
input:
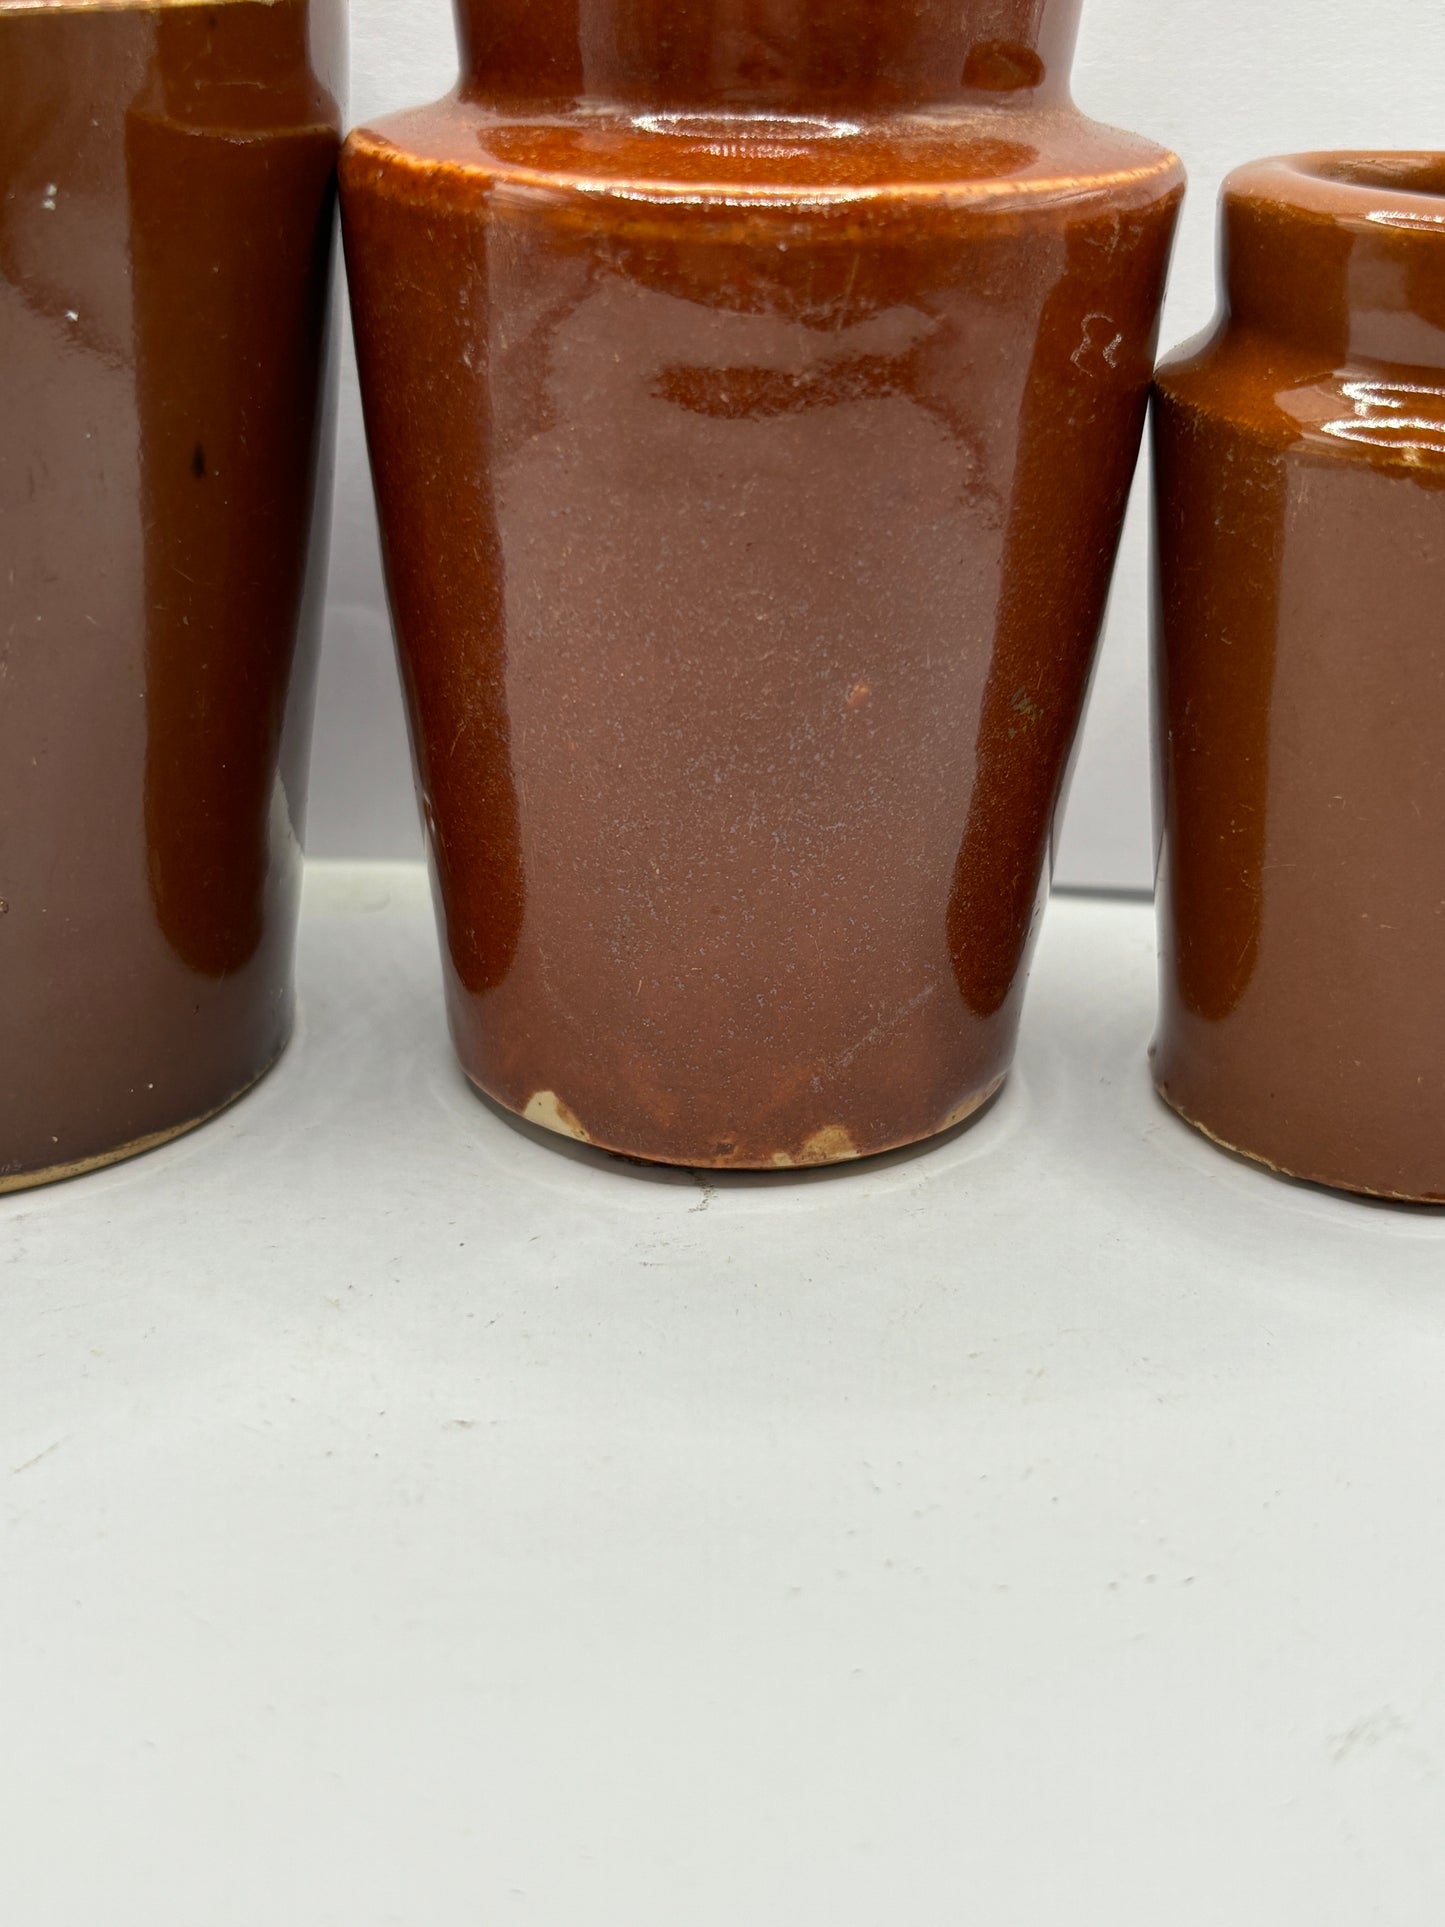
{"x":880,"y":1032}
{"x":1089,"y":345}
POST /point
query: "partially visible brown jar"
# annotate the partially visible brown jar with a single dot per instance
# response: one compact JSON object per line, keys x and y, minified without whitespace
{"x":166,"y":216}
{"x":1300,"y":461}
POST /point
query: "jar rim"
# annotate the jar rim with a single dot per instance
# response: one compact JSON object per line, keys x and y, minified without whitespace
{"x":1378,"y":186}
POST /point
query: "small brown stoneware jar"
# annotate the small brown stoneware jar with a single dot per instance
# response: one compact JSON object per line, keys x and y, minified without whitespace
{"x":167,"y":189}
{"x":753,"y":389}
{"x":1301,"y":680}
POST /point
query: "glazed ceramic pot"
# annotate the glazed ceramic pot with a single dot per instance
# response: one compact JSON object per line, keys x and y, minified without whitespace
{"x":1301,"y":680}
{"x":166,"y":222}
{"x":753,"y":391}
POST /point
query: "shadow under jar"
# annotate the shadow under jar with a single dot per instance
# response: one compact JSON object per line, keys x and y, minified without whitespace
{"x":1300,"y":654}
{"x":753,"y":390}
{"x":167,"y":212}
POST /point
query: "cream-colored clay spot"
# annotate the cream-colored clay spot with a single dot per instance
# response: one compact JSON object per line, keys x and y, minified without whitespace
{"x":832,"y":1145}
{"x":548,"y":1110}
{"x":971,"y":1107}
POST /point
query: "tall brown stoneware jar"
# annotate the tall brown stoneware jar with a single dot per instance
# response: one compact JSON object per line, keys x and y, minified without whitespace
{"x":1301,"y":680}
{"x":166,"y":218}
{"x":753,"y":388}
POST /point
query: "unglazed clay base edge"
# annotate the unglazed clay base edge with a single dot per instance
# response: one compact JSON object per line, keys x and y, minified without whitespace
{"x":59,"y":1173}
{"x":830,"y":1146}
{"x":1285,"y":1171}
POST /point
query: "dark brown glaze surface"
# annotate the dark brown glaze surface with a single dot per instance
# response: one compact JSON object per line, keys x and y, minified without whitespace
{"x":166,"y":216}
{"x":752,"y":399}
{"x":1301,"y":680}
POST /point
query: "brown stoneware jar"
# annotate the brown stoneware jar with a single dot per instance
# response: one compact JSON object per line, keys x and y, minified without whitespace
{"x":753,"y":389}
{"x":1301,"y":680}
{"x":166,"y":217}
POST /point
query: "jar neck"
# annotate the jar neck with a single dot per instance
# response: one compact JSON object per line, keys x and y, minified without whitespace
{"x":1341,"y":255}
{"x":771,"y":56}
{"x":251,"y":67}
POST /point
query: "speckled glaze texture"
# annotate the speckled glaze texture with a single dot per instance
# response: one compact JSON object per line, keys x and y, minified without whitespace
{"x":753,"y":389}
{"x":1301,"y":680}
{"x":167,"y":208}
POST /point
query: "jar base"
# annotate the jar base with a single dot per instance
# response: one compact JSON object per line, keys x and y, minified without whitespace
{"x":153,"y":1141}
{"x":829,"y":1147}
{"x":1349,"y":1187}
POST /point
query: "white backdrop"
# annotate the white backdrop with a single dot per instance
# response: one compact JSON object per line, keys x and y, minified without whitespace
{"x":1222,"y":81}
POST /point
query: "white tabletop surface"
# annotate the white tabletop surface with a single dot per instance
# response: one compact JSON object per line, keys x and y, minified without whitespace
{"x":406,"y":1518}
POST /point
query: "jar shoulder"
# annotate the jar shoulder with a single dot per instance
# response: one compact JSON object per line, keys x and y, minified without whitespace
{"x":1241,"y":382}
{"x":960,"y":159}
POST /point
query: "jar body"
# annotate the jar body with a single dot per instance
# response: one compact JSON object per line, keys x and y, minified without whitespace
{"x":165,"y":257}
{"x":1300,"y":657}
{"x":750,"y":479}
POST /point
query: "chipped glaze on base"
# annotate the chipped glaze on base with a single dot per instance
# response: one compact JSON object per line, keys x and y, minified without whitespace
{"x":833,"y":1145}
{"x":548,"y":1111}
